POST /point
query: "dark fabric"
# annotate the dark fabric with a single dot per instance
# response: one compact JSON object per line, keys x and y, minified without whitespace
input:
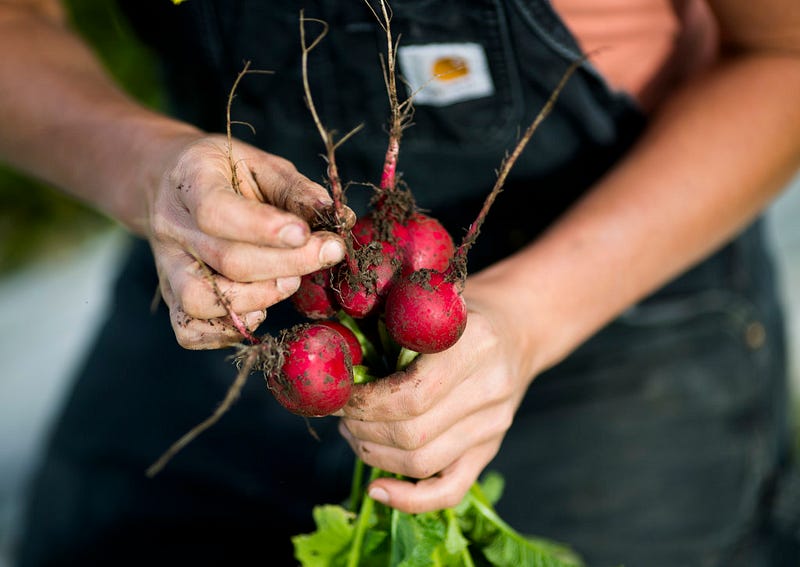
{"x":655,"y":444}
{"x":450,"y":153}
{"x":657,"y":441}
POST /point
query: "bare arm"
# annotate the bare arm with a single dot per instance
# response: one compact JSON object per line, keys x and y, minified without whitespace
{"x":63,"y":120}
{"x":711,"y":159}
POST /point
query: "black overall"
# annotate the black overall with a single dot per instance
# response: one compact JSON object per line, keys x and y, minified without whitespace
{"x":653,"y":445}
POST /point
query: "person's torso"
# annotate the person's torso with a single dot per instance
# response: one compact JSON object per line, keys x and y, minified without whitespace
{"x":516,"y":52}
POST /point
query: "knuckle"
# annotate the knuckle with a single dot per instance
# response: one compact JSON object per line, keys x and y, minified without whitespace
{"x":189,"y":331}
{"x":187,"y":337}
{"x":194,"y":298}
{"x":182,"y":326}
{"x":501,"y":386}
{"x":404,"y":437}
{"x":416,"y":404}
{"x":232,"y":265}
{"x":187,"y":342}
{"x":160,"y":225}
{"x":282,"y":166}
{"x":418,"y":465}
{"x":175,"y":175}
{"x":484,"y":328}
{"x":207,"y":216}
{"x":453,"y":496}
{"x":504,"y":420}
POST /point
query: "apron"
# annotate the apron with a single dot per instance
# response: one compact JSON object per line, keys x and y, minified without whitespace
{"x":654,"y":444}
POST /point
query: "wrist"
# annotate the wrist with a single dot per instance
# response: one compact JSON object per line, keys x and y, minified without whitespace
{"x":152,"y":146}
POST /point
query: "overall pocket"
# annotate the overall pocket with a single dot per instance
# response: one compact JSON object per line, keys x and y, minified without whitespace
{"x":479,"y":121}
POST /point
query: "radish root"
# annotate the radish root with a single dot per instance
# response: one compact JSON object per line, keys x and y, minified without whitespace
{"x":459,"y":258}
{"x":328,"y":136}
{"x":231,"y":396}
{"x":235,"y":183}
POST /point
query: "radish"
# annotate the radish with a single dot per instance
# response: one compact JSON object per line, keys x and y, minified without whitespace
{"x":425,"y":311}
{"x":350,"y":338}
{"x":308,"y":369}
{"x":427,"y":244}
{"x":314,"y":298}
{"x":365,"y":276}
{"x":364,"y":279}
{"x":311,"y":373}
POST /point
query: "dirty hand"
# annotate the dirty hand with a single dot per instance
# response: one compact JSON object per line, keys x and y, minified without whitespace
{"x":252,"y":246}
{"x":444,"y":418}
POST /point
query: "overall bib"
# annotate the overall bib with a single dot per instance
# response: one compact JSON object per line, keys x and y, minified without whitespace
{"x":653,"y":445}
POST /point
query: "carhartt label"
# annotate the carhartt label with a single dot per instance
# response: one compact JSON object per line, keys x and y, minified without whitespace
{"x":444,"y":73}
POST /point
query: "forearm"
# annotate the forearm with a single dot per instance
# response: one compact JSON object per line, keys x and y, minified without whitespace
{"x":66,"y":122}
{"x":712,"y":158}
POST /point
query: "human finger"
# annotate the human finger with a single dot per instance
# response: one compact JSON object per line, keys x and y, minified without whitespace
{"x":245,"y":262}
{"x":224,"y":214}
{"x":205,"y":295}
{"x":444,"y":490}
{"x":202,"y":334}
{"x":422,"y":385}
{"x":492,"y":388}
{"x":440,"y":452}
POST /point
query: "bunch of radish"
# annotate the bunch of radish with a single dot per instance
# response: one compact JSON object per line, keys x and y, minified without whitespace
{"x":399,"y":286}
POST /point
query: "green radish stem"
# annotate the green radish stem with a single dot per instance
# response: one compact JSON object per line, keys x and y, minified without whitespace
{"x":357,"y":487}
{"x":405,"y":357}
{"x":452,"y":520}
{"x":364,"y":514}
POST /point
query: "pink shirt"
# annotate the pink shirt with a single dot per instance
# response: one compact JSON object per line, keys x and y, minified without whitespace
{"x":643,"y":46}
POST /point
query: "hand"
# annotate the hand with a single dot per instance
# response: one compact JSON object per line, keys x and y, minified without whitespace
{"x":444,"y":418}
{"x":256,"y":244}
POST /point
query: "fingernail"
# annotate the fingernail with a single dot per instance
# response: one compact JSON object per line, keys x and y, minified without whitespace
{"x":349,"y":217}
{"x":379,"y":494}
{"x":292,"y":235}
{"x":288,"y":285}
{"x":254,"y":318}
{"x":331,"y":252}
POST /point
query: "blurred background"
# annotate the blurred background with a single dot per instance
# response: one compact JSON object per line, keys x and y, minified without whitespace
{"x":57,"y":258}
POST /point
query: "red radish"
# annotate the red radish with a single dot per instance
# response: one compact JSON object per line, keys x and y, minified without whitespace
{"x":427,"y":244}
{"x":315,"y":377}
{"x":364,"y":279}
{"x":425,"y":312}
{"x":365,"y":276}
{"x":356,"y":354}
{"x":314,"y":298}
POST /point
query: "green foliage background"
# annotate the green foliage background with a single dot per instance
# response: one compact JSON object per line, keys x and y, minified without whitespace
{"x":36,"y":219}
